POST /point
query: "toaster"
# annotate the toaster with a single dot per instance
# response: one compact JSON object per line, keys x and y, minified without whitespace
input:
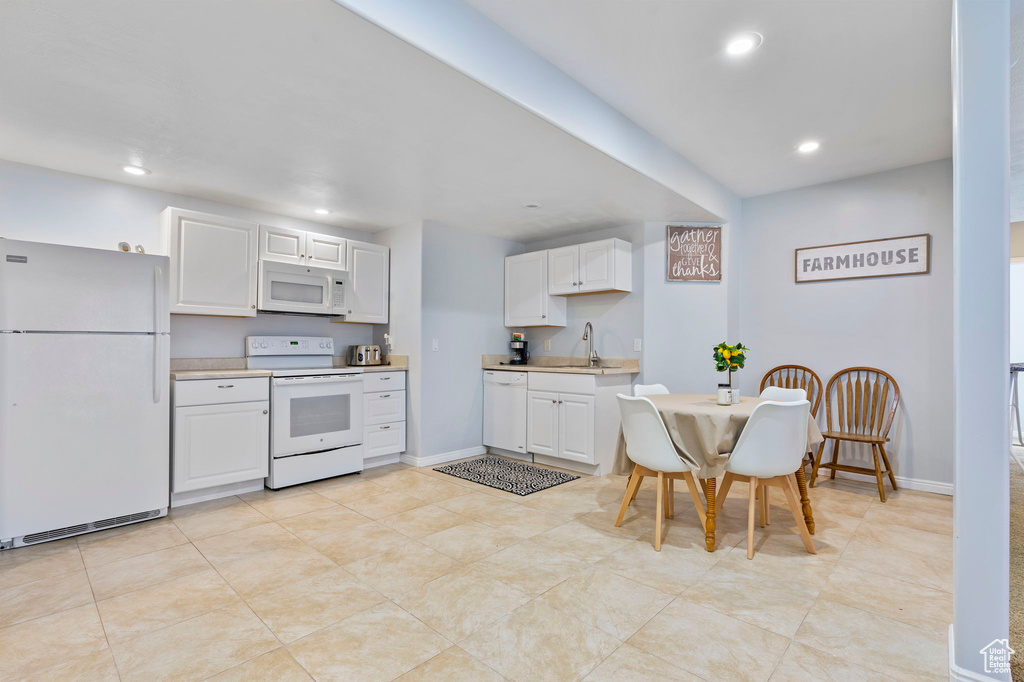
{"x":364,"y":355}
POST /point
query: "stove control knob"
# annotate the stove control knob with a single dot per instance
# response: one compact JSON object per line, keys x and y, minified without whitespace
{"x":321,"y":344}
{"x":329,"y":343}
{"x":255,"y":344}
{"x":264,"y":344}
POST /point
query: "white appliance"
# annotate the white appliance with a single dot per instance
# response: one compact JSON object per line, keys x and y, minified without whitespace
{"x":299,"y":289}
{"x":84,"y":365}
{"x":316,"y":410}
{"x":505,"y":410}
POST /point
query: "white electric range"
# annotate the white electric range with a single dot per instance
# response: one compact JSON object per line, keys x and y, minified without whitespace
{"x":316,"y":409}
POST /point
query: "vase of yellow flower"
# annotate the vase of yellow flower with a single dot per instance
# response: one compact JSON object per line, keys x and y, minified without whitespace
{"x":728,"y":359}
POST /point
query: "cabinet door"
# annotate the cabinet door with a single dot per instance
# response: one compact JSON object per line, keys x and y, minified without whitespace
{"x":576,"y":427}
{"x":326,"y":251}
{"x":213,"y":263}
{"x":383,"y":439}
{"x":563,"y":270}
{"x":526,"y":290}
{"x":282,"y":245}
{"x":219,"y":444}
{"x":368,"y":283}
{"x":597,"y":265}
{"x":383,"y":408}
{"x":542,"y":423}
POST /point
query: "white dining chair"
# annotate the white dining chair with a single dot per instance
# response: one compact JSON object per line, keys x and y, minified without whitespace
{"x":768,"y":452}
{"x":783,"y":395}
{"x":641,"y":390}
{"x":650,"y":448}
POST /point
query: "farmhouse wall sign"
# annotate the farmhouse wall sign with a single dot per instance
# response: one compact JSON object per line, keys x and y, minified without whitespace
{"x":694,"y":253}
{"x":857,"y":260}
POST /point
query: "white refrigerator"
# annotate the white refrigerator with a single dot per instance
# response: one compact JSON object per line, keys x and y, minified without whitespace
{"x":84,"y":382}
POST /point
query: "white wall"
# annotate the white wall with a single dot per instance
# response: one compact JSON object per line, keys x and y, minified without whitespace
{"x":463,"y":308}
{"x":617,"y":318}
{"x":901,"y":324}
{"x":1017,"y":312}
{"x":684,"y":320}
{"x":38,"y":204}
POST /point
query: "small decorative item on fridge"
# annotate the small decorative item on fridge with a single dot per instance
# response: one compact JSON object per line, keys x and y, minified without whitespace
{"x":727,"y":359}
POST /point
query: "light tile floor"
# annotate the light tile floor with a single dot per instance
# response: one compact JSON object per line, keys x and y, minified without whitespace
{"x":402,"y":573}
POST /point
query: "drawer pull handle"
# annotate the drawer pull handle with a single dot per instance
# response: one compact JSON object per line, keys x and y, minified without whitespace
{"x":266,"y":411}
{"x":226,"y":386}
{"x":384,"y":427}
{"x":385,"y":395}
{"x":385,"y":378}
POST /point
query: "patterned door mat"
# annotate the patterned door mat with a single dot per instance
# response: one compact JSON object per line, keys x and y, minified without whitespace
{"x":506,"y":474}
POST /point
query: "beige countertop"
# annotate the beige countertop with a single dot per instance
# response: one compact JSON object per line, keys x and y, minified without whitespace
{"x":560,"y":365}
{"x":193,"y":374}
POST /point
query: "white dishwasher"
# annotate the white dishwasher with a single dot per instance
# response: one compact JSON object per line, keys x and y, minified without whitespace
{"x":505,"y":410}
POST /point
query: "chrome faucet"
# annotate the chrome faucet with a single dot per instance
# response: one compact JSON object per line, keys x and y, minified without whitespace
{"x":588,"y":335}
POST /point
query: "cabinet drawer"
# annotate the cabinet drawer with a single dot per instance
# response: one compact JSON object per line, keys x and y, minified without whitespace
{"x":218,"y":391}
{"x":383,"y":408}
{"x":562,"y":383}
{"x":383,"y":439}
{"x":374,"y":382}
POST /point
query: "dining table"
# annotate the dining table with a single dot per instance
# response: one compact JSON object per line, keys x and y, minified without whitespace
{"x":704,"y":434}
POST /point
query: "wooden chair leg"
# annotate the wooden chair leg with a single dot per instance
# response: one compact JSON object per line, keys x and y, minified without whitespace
{"x":709,"y":527}
{"x":888,"y":467}
{"x":695,"y":496}
{"x":805,"y":501}
{"x":835,"y":459}
{"x":727,"y":481}
{"x":878,"y":473}
{"x":631,"y":486}
{"x":768,"y":505}
{"x":751,"y":504}
{"x":671,"y":498}
{"x":761,"y":512}
{"x":817,"y":463}
{"x":657,"y":512}
{"x":789,"y":488}
{"x":636,"y":490}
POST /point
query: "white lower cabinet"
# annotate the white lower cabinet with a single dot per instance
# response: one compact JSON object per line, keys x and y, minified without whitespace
{"x":383,"y":414}
{"x":221,"y":437}
{"x":574,"y":418}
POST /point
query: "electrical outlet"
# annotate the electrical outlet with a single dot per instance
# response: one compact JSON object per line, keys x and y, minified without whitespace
{"x":434,"y":345}
{"x":636,"y":344}
{"x":547,"y":344}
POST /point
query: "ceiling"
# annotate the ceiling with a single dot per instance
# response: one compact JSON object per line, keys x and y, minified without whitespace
{"x":290,"y":106}
{"x":869,"y":79}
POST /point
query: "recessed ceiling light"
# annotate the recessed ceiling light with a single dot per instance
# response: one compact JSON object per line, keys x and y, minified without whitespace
{"x":808,"y":147}
{"x":744,"y":43}
{"x":135,"y":170}
{"x":322,"y":211}
{"x":532,"y":205}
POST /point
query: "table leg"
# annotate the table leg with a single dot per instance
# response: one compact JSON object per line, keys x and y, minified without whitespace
{"x":1015,"y":403}
{"x":805,"y":501}
{"x":709,"y":533}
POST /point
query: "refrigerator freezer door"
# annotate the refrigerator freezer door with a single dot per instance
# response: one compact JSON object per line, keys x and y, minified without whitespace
{"x":47,"y":287}
{"x":84,"y":430}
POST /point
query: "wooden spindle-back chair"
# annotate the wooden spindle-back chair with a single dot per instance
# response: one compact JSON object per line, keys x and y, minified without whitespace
{"x":796,"y":376}
{"x":860,"y":405}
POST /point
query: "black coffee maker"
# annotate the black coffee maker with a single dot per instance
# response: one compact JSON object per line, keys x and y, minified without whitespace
{"x":519,"y":354}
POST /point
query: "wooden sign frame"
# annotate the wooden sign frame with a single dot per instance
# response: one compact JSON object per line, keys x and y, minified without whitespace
{"x":805,"y":253}
{"x":695,"y":260}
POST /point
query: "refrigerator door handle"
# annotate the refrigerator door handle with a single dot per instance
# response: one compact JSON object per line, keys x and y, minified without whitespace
{"x":157,"y":379}
{"x":159,"y":299}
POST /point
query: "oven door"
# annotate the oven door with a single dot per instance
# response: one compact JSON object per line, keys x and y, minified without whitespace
{"x":316,"y":413}
{"x":289,"y":288}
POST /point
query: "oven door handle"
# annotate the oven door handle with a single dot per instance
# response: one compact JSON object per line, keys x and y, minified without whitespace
{"x":306,"y":381}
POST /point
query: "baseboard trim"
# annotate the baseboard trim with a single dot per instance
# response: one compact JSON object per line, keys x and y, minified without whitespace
{"x":443,"y":457}
{"x":216,"y":492}
{"x":379,"y":461}
{"x":958,"y":674}
{"x":919,"y":484}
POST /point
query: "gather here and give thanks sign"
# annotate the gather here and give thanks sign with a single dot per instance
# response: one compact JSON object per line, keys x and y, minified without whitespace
{"x":694,"y":253}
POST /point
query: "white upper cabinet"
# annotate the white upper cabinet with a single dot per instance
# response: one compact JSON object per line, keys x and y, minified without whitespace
{"x":285,"y":245}
{"x":564,"y":270}
{"x":213,"y":263}
{"x":368,"y":286}
{"x":605,"y":265}
{"x":326,"y":251}
{"x":528,"y":302}
{"x":282,"y":245}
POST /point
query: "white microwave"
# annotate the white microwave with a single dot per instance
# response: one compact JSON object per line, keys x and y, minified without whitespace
{"x":290,"y":288}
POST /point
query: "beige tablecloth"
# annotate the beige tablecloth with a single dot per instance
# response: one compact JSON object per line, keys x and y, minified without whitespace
{"x":703,"y":431}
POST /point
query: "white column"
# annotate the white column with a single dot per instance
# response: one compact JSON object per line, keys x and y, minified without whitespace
{"x":981,"y":57}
